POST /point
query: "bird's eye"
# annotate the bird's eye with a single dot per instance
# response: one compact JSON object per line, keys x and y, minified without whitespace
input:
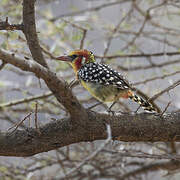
{"x":73,"y":56}
{"x":91,"y":52}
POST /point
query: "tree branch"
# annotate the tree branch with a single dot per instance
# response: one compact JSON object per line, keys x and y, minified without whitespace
{"x":89,"y":9}
{"x":177,"y":83}
{"x":140,"y":55}
{"x":30,"y":31}
{"x":168,"y":166}
{"x":139,"y":127}
{"x":83,"y":125}
{"x":4,"y":25}
{"x":25,"y":100}
{"x":58,"y":86}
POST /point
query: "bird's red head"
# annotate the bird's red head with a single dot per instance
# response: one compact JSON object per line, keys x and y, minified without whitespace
{"x":78,"y":58}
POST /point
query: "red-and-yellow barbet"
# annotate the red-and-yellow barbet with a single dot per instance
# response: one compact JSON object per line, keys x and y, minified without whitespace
{"x":104,"y":83}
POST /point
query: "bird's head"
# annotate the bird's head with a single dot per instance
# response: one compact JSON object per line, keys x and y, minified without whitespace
{"x":78,"y":58}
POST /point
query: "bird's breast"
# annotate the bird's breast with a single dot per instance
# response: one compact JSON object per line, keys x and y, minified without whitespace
{"x":104,"y":93}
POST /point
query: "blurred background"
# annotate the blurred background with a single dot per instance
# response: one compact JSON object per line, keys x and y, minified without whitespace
{"x":140,"y":38}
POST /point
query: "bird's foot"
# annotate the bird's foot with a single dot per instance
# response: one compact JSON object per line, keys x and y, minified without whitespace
{"x":111,"y":112}
{"x":73,"y":83}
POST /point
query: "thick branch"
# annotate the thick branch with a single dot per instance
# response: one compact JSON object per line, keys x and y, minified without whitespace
{"x":88,"y":125}
{"x":30,"y":31}
{"x":139,"y":127}
{"x":57,"y":85}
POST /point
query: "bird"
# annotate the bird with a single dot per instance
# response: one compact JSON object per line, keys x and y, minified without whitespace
{"x":102,"y":82}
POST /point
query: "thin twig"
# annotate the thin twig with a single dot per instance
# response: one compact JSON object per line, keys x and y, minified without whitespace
{"x":89,"y":9}
{"x":155,"y":78}
{"x":165,"y":108}
{"x":177,"y":83}
{"x":26,"y":100}
{"x":93,"y":106}
{"x":60,"y":162}
{"x":140,"y":55}
{"x":48,"y":53}
{"x":36,"y":118}
{"x":19,"y":123}
{"x":4,"y":25}
{"x":137,"y":35}
{"x":114,"y":31}
{"x":142,"y":155}
{"x":74,"y":25}
{"x":91,"y":156}
{"x":83,"y":38}
{"x":84,"y":30}
{"x":135,"y":68}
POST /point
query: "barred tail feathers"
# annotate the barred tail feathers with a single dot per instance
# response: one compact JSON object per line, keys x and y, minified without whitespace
{"x":143,"y":103}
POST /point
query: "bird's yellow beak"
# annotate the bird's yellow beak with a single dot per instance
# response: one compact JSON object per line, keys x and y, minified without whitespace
{"x":64,"y":58}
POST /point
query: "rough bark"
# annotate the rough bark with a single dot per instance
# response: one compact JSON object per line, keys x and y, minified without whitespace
{"x":140,"y":127}
{"x":58,"y":86}
{"x":82,"y":125}
{"x":29,"y":30}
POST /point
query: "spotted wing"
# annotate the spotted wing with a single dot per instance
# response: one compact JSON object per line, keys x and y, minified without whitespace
{"x":102,"y":74}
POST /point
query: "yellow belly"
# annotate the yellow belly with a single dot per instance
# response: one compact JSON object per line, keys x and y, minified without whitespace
{"x":104,"y":93}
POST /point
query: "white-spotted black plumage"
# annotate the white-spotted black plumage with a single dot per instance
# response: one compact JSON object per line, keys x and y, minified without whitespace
{"x":102,"y":82}
{"x":102,"y":74}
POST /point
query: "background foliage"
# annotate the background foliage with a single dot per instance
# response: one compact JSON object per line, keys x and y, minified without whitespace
{"x":140,"y":38}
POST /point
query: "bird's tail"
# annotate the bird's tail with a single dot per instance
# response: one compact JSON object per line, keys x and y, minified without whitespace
{"x":143,"y":103}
